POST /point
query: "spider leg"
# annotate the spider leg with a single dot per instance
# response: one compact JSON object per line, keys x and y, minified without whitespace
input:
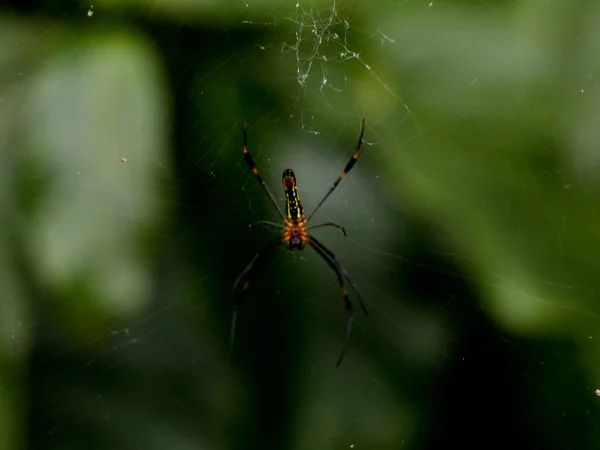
{"x":258,"y":258}
{"x":330,"y":224}
{"x":341,"y":269}
{"x":347,"y":301}
{"x":347,"y":169}
{"x":266,"y":222}
{"x":252,"y":165}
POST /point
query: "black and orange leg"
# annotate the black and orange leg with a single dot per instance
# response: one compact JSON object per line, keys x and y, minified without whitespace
{"x":347,"y":302}
{"x":341,"y":269}
{"x":258,"y":258}
{"x":330,"y":224}
{"x":347,"y":169}
{"x":252,"y":165}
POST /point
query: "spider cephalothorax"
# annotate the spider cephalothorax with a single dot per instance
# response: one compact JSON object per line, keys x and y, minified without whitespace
{"x":295,"y":234}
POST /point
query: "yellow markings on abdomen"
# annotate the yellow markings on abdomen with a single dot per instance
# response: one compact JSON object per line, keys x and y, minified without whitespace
{"x":292,"y":197}
{"x":294,"y":205}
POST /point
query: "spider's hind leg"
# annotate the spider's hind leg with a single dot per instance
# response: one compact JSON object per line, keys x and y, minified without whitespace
{"x":258,"y":259}
{"x":347,"y":302}
{"x":344,"y":273}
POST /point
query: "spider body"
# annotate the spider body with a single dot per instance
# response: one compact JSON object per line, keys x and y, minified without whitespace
{"x":295,"y":234}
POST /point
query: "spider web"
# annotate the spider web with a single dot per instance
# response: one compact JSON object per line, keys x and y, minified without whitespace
{"x":471,"y":220}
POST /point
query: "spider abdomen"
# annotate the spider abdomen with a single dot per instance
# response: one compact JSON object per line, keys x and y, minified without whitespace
{"x":292,"y":197}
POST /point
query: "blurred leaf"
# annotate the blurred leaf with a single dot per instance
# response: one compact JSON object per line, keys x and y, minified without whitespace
{"x":94,"y":121}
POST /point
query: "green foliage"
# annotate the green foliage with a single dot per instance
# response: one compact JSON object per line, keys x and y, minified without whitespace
{"x":124,"y":204}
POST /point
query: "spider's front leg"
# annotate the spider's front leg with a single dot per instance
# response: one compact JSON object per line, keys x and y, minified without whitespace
{"x":252,"y":165}
{"x":347,"y":169}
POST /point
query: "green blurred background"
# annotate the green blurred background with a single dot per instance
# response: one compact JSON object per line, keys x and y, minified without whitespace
{"x":471,"y":218}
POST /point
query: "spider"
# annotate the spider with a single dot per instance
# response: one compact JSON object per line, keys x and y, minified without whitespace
{"x":295,"y":235}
